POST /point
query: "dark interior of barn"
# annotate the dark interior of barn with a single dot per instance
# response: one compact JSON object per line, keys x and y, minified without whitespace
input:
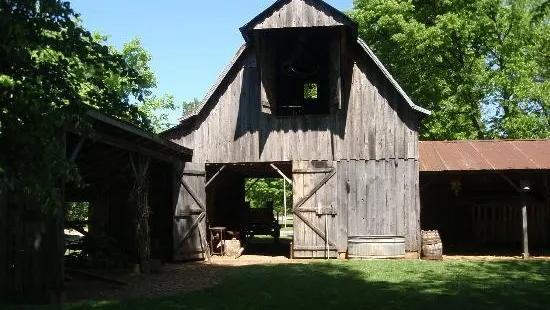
{"x":257,"y":228}
{"x":108,"y":235}
{"x":480,"y":213}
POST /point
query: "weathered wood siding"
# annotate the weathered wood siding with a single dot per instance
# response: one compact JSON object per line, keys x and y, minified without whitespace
{"x":374,"y":123}
{"x":300,"y":13}
{"x":372,"y":139}
{"x":34,"y":251}
{"x":381,"y":198}
{"x":189,"y":227}
{"x":306,"y":177}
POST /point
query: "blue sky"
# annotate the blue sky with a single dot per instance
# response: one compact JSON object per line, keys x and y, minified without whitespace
{"x":190,"y":41}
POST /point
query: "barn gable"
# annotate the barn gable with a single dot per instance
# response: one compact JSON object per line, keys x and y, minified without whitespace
{"x":296,"y":14}
{"x":254,"y":32}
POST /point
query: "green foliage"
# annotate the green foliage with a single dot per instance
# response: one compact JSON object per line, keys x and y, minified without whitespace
{"x":269,"y":190}
{"x":190,"y":106}
{"x":310,"y":91}
{"x":77,"y":211}
{"x":481,"y":66}
{"x":156,"y":108}
{"x":51,"y":71}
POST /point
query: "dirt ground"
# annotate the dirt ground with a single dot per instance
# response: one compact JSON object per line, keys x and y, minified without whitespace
{"x":185,"y":277}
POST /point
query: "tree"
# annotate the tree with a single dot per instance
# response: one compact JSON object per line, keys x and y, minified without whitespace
{"x":190,"y":106}
{"x":51,"y":71}
{"x":153,"y":106}
{"x":263,"y":190}
{"x":481,"y":66}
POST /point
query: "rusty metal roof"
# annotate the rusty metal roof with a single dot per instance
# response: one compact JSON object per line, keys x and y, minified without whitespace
{"x":476,"y":155}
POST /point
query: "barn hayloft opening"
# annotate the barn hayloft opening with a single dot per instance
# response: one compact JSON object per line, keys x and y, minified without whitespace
{"x":243,"y":201}
{"x":299,"y":68}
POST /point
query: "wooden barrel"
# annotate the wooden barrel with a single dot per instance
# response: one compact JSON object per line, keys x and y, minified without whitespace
{"x":432,"y":247}
{"x":376,"y":246}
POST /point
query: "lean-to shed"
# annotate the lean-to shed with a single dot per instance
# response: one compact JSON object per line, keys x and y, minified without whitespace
{"x":306,"y":96}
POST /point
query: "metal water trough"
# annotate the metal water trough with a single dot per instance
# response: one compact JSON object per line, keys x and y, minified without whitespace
{"x":379,"y":246}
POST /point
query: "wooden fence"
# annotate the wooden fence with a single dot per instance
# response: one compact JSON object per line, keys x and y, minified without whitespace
{"x":501,"y":224}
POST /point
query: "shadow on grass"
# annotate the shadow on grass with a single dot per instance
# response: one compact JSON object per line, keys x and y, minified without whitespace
{"x":401,"y":284}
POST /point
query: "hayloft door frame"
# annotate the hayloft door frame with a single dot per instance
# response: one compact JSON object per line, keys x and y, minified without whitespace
{"x":314,"y":208}
{"x":190,"y":213}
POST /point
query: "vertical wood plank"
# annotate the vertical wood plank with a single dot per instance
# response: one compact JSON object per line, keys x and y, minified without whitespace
{"x":352,"y":199}
{"x":361,"y":198}
{"x":342,"y":205}
{"x":389,"y":112}
{"x":415,"y":171}
{"x":391,"y":193}
{"x":399,"y":198}
{"x":407,"y":206}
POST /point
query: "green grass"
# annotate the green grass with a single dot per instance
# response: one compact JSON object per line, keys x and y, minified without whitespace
{"x":378,"y":284}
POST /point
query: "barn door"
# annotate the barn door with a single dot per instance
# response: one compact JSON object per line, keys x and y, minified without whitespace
{"x":190,"y":213}
{"x":314,"y":208}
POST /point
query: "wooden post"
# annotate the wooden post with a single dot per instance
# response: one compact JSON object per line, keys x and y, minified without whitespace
{"x":140,"y":165}
{"x":3,"y":244}
{"x":525,"y":243}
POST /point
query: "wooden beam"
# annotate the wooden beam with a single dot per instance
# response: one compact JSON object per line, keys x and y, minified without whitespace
{"x":315,"y":189}
{"x":77,"y":148}
{"x":204,"y":245}
{"x":133,"y":147}
{"x":319,"y":232}
{"x":193,"y":195}
{"x":312,"y":170}
{"x":313,"y":248}
{"x":510,"y":182}
{"x":214,"y":176}
{"x":138,"y":132}
{"x":281,"y":173}
{"x":193,"y":226}
{"x":525,"y":233}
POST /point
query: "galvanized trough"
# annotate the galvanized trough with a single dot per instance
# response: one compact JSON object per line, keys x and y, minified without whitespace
{"x":378,"y":246}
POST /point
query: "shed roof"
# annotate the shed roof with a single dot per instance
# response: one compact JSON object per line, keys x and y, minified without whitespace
{"x":127,"y":136}
{"x":484,"y":155}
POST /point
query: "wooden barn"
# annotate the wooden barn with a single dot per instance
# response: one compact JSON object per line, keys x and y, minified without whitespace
{"x":304,"y":98}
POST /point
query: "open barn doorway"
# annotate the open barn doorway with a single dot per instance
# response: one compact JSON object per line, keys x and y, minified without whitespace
{"x":246,"y":208}
{"x":480,"y":213}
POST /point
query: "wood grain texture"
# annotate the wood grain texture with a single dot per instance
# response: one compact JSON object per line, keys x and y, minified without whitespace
{"x":375,"y":124}
{"x":189,"y":213}
{"x":300,"y":13}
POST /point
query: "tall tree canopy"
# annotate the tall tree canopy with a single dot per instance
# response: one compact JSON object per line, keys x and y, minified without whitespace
{"x":51,"y":71}
{"x":481,"y":66}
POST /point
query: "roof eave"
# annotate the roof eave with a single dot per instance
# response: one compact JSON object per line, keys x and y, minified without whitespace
{"x":385,"y":71}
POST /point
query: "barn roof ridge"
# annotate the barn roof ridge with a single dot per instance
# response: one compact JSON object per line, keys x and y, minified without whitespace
{"x":280,"y":3}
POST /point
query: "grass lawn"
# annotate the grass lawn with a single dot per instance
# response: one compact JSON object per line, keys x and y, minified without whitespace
{"x":377,"y":284}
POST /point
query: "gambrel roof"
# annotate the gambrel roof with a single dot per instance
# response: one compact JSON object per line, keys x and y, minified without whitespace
{"x":275,"y":11}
